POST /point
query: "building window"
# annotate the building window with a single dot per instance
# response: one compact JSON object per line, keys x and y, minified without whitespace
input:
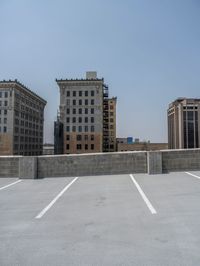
{"x":5,"y":103}
{"x":5,"y":120}
{"x":68,"y":119}
{"x":86,"y":128}
{"x":5,"y":112}
{"x":67,"y":128}
{"x":68,"y":93}
{"x":78,"y":137}
{"x":67,"y":146}
{"x":111,"y":113}
{"x":6,"y":94}
{"x":67,"y":137}
{"x":74,"y":102}
{"x":92,"y":119}
{"x":86,"y":137}
{"x":80,"y":119}
{"x":80,"y":111}
{"x":92,"y":137}
{"x":92,"y":93}
{"x":4,"y":129}
{"x":92,"y":146}
{"x":86,"y":102}
{"x":80,"y":129}
{"x":68,"y":102}
{"x":86,"y":146}
{"x":111,"y":107}
{"x":68,"y":111}
{"x":86,"y":110}
{"x":74,"y":111}
{"x":111,"y":120}
{"x":74,"y":119}
{"x":92,"y":128}
{"x":0,"y":94}
{"x":92,"y":110}
{"x":80,"y":93}
{"x":86,"y":119}
{"x":74,"y":128}
{"x":74,"y":93}
{"x":78,"y":146}
{"x":86,"y":93}
{"x":80,"y":102}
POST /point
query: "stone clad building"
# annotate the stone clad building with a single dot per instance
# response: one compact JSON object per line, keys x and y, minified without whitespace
{"x":21,"y":120}
{"x":184,"y":123}
{"x":83,"y":115}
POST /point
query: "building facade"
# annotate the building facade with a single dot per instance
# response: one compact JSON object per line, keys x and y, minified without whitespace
{"x":48,"y":149}
{"x":112,"y":103}
{"x":21,"y":120}
{"x":142,"y":146}
{"x":83,"y":115}
{"x":184,"y":124}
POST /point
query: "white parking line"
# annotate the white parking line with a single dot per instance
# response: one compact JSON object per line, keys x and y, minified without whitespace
{"x":54,"y":200}
{"x":148,"y":203}
{"x":193,"y":175}
{"x":1,"y":188}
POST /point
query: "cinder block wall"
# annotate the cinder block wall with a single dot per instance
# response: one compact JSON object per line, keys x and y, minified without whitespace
{"x":92,"y":164}
{"x":180,"y":160}
{"x":101,"y":163}
{"x":9,"y":166}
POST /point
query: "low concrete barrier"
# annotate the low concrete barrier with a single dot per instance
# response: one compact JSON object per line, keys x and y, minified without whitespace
{"x":180,"y":160}
{"x":28,"y":168}
{"x":92,"y":164}
{"x":155,"y":162}
{"x":9,"y":166}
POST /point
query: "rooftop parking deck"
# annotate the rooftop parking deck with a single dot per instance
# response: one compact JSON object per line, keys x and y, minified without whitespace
{"x":134,"y":219}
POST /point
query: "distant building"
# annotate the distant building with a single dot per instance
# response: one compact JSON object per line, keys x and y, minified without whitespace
{"x":48,"y":149}
{"x":87,"y":114}
{"x":184,"y":123}
{"x":58,"y":136}
{"x":141,"y":146}
{"x":21,"y":120}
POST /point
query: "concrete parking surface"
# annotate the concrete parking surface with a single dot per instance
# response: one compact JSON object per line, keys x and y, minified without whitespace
{"x":134,"y":219}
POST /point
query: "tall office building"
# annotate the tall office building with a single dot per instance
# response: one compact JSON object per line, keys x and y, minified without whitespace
{"x":83,"y":115}
{"x":21,"y":120}
{"x":184,"y":124}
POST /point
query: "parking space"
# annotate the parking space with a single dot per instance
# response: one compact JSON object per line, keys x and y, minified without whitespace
{"x":6,"y":182}
{"x":101,"y":220}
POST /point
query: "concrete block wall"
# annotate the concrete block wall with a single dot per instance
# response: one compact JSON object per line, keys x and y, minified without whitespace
{"x":156,"y":162}
{"x":9,"y":166}
{"x":92,"y":164}
{"x":180,"y":160}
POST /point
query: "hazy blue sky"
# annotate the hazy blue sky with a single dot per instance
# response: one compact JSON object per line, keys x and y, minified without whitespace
{"x":148,"y":51}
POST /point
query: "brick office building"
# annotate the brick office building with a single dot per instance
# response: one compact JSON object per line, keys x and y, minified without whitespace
{"x":85,"y":115}
{"x":21,"y":120}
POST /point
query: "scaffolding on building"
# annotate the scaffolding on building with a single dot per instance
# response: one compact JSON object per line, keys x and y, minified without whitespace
{"x":105,"y":119}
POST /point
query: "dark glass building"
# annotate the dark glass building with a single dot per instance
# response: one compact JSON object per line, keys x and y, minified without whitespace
{"x":183,"y":123}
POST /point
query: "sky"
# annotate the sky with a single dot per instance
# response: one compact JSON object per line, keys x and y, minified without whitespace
{"x":147,"y":51}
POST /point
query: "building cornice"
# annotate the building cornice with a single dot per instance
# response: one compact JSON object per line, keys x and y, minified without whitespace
{"x":23,"y":87}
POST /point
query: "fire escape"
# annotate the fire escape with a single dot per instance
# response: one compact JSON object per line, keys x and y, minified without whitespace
{"x":105,"y":119}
